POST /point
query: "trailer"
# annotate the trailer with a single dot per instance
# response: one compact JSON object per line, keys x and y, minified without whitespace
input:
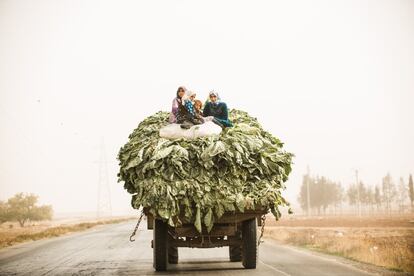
{"x":236,"y":230}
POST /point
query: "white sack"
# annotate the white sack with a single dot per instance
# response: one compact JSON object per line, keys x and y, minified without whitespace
{"x":174,"y":131}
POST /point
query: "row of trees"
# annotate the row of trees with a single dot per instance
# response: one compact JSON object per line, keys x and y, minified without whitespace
{"x":318,"y":194}
{"x":23,"y":208}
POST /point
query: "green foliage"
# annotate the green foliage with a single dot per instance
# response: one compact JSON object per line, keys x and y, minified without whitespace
{"x":23,"y":208}
{"x":200,"y":179}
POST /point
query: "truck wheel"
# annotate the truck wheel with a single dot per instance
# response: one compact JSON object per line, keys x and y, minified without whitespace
{"x":235,"y":252}
{"x":160,"y":245}
{"x":172,"y":255}
{"x":249,"y":243}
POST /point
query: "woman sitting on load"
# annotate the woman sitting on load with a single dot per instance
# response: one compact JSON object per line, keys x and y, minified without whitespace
{"x":178,"y":100}
{"x":183,"y":112}
{"x":218,"y":110}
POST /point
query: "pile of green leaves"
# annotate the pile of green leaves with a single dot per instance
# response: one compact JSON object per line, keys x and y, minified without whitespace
{"x":198,"y":180}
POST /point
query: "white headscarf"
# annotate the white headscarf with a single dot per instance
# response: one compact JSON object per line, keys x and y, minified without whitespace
{"x":188,"y":95}
{"x":212,"y":92}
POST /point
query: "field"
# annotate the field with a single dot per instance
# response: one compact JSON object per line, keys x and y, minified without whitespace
{"x":383,"y":241}
{"x":12,"y":233}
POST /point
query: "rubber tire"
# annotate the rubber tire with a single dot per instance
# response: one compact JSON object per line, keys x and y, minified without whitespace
{"x":235,"y":252}
{"x":249,"y":243}
{"x":172,"y":255}
{"x":160,"y":245}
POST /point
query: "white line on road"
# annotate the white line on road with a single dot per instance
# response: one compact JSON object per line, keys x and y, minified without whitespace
{"x":275,"y":269}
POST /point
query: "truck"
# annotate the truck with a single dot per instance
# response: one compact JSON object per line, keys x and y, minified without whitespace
{"x":235,"y":229}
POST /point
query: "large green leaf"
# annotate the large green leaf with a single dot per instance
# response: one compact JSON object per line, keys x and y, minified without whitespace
{"x":197,"y":222}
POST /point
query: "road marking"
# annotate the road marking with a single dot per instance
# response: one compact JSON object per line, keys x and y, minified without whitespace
{"x":275,"y":269}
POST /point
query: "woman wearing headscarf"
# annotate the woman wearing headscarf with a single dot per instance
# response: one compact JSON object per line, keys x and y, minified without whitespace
{"x":218,"y":110}
{"x":186,"y":114}
{"x":176,"y":104}
{"x":189,"y":102}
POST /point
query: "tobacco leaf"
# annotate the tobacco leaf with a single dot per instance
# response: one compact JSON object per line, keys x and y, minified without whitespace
{"x":201,"y":179}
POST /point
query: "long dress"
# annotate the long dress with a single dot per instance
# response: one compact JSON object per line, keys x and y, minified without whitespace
{"x":219,"y":111}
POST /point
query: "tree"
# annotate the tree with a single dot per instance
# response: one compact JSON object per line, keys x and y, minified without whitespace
{"x":303,"y":199}
{"x":323,"y":193}
{"x":352,"y":194}
{"x":363,"y":195}
{"x":322,"y":196}
{"x":377,"y":197}
{"x":411,"y":192}
{"x":402,"y":195}
{"x":338,"y":196}
{"x":4,"y":212}
{"x":388,"y":192}
{"x":23,"y":208}
{"x":369,"y":198}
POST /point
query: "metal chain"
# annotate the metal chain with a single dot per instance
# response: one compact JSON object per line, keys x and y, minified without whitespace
{"x":136,"y":227}
{"x":262,"y":230}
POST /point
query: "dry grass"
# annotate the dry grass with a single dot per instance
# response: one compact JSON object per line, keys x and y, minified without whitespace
{"x":389,"y":247}
{"x":16,"y":235}
{"x":379,"y":221}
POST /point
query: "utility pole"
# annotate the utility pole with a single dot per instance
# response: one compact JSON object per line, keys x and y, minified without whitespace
{"x":308,"y":191}
{"x":358,"y":193}
{"x":104,"y":206}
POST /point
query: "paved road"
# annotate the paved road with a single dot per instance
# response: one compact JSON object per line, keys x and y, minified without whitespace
{"x":107,"y":251}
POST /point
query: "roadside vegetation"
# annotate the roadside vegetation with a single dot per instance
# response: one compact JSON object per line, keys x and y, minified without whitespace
{"x":10,"y":236}
{"x":23,"y":208}
{"x":367,"y":222}
{"x":22,"y":219}
{"x":381,"y":241}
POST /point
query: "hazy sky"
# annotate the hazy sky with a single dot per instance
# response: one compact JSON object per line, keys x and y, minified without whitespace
{"x":333,"y":79}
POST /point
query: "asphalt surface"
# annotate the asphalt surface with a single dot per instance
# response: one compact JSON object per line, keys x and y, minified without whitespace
{"x":107,"y":250}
